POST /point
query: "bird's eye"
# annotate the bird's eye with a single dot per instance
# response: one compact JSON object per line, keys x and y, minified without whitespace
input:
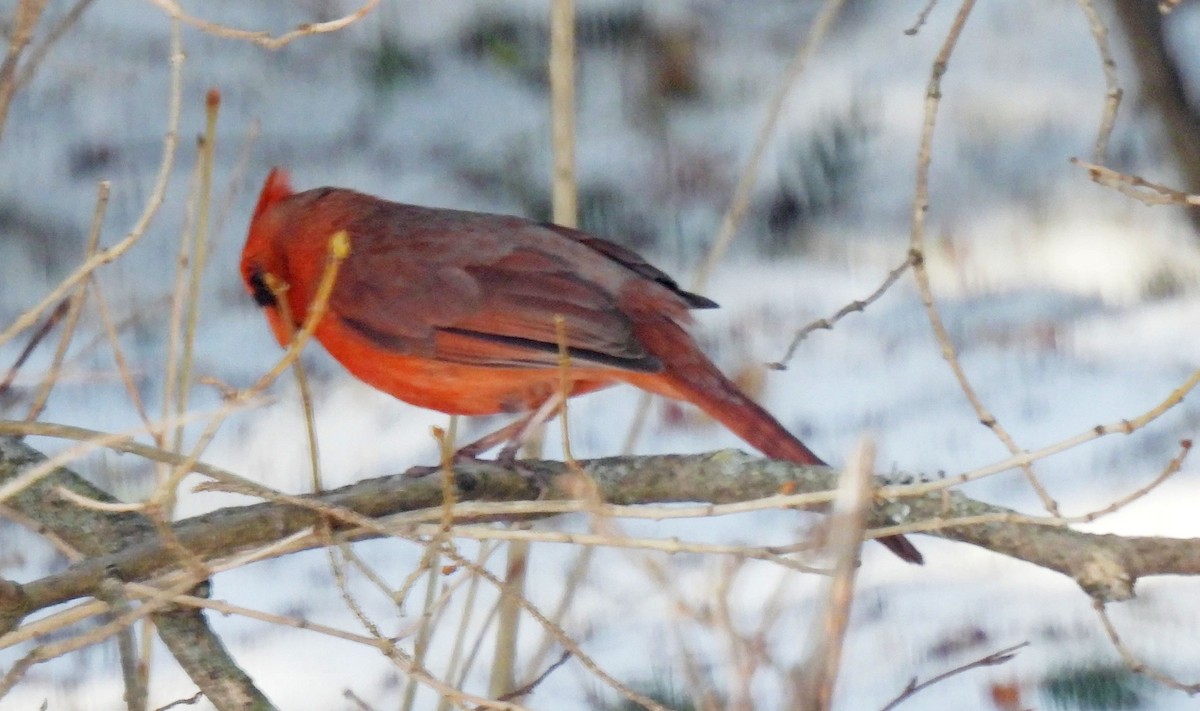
{"x":262,"y":293}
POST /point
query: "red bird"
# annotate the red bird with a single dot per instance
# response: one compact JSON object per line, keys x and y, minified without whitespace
{"x":456,"y":312}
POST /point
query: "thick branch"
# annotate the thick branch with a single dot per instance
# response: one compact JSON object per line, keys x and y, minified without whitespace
{"x":1105,"y":566}
{"x":101,"y":534}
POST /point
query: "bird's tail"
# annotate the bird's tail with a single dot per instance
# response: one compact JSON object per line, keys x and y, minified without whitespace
{"x":689,"y":375}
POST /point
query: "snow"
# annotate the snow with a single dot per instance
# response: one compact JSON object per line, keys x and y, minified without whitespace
{"x":1047,"y":283}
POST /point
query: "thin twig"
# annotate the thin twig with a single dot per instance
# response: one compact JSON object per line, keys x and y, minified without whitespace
{"x":126,"y":373}
{"x":279,"y":291}
{"x":814,"y":680}
{"x":856,"y":306}
{"x":198,"y":258}
{"x":458,"y":667}
{"x":1113,"y":92}
{"x":26,"y":14}
{"x":933,"y":95}
{"x":740,"y":201}
{"x":526,"y":689}
{"x":568,"y":642}
{"x":34,"y":60}
{"x":136,"y":684}
{"x":994,"y":659}
{"x":177,"y":314}
{"x":53,"y":650}
{"x":672,"y":546}
{"x":380,"y":642}
{"x":34,"y":341}
{"x":922,"y":17}
{"x":189,"y":701}
{"x":1131,"y":660}
{"x":1126,"y":184}
{"x":1022,"y":459}
{"x":100,"y":440}
{"x":263,"y":38}
{"x":339,"y":250}
{"x":564,"y":200}
{"x":153,"y":202}
{"x":745,"y":186}
{"x":74,"y":308}
{"x":431,"y":567}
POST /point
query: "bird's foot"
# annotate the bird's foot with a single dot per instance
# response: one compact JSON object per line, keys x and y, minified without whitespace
{"x":456,"y":459}
{"x":537,"y":479}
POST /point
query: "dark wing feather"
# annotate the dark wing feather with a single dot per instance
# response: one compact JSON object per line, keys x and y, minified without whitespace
{"x":633,"y":261}
{"x":519,"y":312}
{"x":464,"y":293}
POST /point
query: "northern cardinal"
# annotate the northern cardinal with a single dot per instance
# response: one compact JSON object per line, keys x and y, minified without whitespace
{"x":456,"y":312}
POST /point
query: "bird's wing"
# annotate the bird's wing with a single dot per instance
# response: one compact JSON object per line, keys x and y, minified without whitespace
{"x":634,"y":262}
{"x":482,"y":299}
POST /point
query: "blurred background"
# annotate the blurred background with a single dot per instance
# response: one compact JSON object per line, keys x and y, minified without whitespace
{"x":1072,"y":304}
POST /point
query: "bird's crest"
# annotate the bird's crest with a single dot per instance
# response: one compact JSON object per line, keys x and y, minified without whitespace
{"x":277,"y":187}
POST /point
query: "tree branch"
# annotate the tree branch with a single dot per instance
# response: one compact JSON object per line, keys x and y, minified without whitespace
{"x":1105,"y":566}
{"x":103,"y":534}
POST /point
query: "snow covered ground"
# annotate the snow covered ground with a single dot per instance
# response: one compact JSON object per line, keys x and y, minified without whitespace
{"x":1072,"y":305}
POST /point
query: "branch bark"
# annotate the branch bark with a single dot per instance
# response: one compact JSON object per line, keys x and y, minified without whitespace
{"x":1105,"y":566}
{"x":105,"y":534}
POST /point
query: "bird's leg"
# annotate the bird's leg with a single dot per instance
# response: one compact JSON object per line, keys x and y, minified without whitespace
{"x":525,"y":427}
{"x":492,"y":439}
{"x":513,"y":436}
{"x":471,"y":452}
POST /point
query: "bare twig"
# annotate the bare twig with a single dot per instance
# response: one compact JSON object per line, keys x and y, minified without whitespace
{"x":526,"y":689}
{"x":562,"y":111}
{"x":261,"y":37}
{"x":1123,"y":426}
{"x":615,"y":540}
{"x":53,"y":650}
{"x":153,"y":202}
{"x":25,"y":17}
{"x":339,"y":250}
{"x":994,"y":659}
{"x":74,"y":308}
{"x":126,"y":373}
{"x":136,"y":685}
{"x":572,"y":582}
{"x":740,"y":200}
{"x":856,"y":306}
{"x":177,"y":314}
{"x":1113,"y":93}
{"x":151,"y":205}
{"x":1153,"y":194}
{"x":1131,"y":660}
{"x":922,"y":17}
{"x":745,"y":186}
{"x":430,"y":567}
{"x":280,"y":292}
{"x":458,"y":666}
{"x":381,"y":643}
{"x":814,"y":680}
{"x":34,"y":60}
{"x":34,"y":340}
{"x":99,"y":441}
{"x":198,"y":258}
{"x":933,"y":95}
